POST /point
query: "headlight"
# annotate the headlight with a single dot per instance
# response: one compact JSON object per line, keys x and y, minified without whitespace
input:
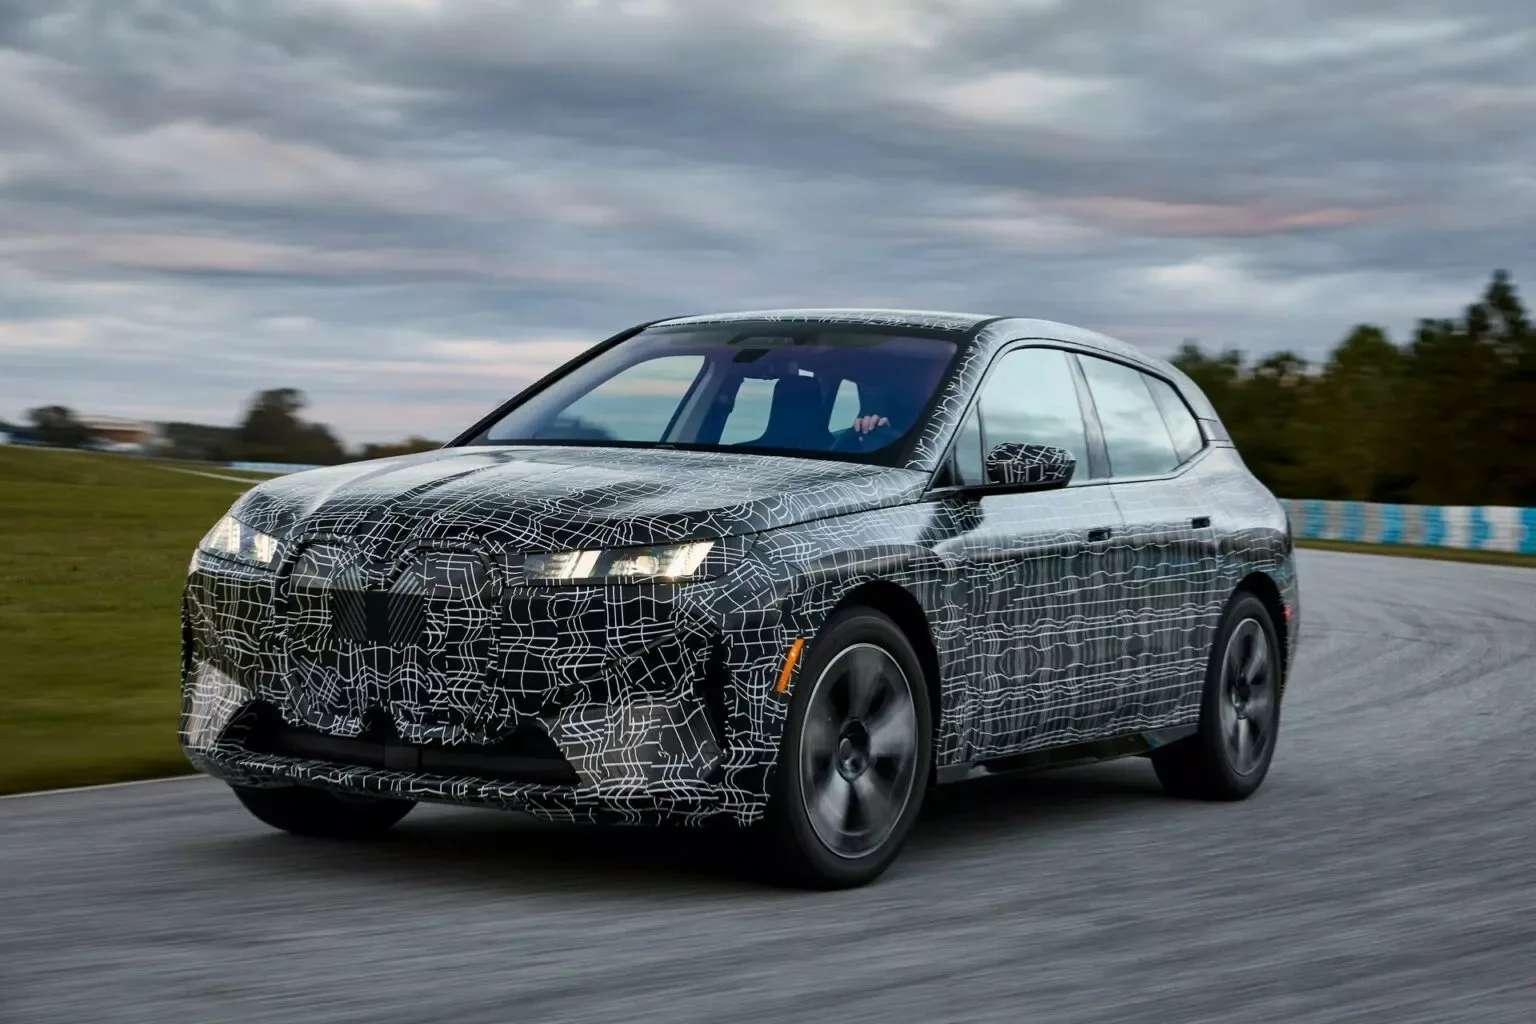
{"x":230,"y":538}
{"x":658,"y":562}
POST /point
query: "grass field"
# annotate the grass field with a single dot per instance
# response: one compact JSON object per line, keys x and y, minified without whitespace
{"x":93,"y":551}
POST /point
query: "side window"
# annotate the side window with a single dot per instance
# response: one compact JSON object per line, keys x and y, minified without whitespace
{"x":1181,"y":422}
{"x":635,"y":404}
{"x":749,"y":416}
{"x":1031,"y":397}
{"x":1134,"y":432}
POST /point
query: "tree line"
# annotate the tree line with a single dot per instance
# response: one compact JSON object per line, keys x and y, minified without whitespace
{"x":1446,"y":418}
{"x":272,"y":430}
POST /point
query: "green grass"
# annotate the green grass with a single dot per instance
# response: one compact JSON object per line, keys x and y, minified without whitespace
{"x":1414,"y":551}
{"x":93,"y":552}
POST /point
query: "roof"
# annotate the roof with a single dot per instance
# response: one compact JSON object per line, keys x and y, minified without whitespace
{"x":998,"y":329}
{"x":1014,"y":326}
{"x":879,"y":317}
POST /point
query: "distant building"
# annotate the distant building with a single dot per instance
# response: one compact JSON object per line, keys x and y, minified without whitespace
{"x":113,"y":433}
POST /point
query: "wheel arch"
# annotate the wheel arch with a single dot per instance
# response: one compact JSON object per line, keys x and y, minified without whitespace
{"x":1263,"y":586}
{"x":906,"y":611}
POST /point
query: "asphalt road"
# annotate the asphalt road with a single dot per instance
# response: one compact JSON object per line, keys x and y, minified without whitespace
{"x":1387,"y":871}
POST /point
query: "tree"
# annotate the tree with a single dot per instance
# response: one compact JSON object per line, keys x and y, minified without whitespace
{"x":1218,"y":376}
{"x":1514,"y":338}
{"x":1346,"y":425}
{"x":273,"y":432}
{"x":56,"y":425}
{"x":1449,"y":418}
{"x":1273,"y":395}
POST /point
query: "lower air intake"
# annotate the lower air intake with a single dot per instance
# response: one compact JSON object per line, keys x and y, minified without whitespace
{"x":528,"y":755}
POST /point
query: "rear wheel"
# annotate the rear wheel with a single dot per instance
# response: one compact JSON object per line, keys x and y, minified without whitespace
{"x":316,"y":812}
{"x":854,"y":759}
{"x":1229,"y":756}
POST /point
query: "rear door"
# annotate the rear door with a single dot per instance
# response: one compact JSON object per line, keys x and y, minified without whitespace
{"x":1035,"y":590}
{"x":1168,"y":557}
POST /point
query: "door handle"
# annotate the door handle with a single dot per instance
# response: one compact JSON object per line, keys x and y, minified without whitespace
{"x":1098,"y":533}
{"x":1200,"y":522}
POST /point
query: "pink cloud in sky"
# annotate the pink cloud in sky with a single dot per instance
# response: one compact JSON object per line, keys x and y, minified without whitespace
{"x":1148,"y":216}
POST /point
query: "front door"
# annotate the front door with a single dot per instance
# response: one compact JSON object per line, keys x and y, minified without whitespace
{"x":1038,"y":590}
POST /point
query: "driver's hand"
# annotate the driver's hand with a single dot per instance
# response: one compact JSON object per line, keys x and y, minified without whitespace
{"x":864,"y":424}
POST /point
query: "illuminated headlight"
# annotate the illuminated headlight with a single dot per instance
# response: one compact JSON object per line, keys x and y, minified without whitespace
{"x":230,"y":538}
{"x":659,"y":562}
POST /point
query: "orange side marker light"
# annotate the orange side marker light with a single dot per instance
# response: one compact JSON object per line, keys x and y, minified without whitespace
{"x":789,"y":663}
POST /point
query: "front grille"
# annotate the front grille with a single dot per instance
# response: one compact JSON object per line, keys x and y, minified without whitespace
{"x":528,"y":755}
{"x":377,"y":616}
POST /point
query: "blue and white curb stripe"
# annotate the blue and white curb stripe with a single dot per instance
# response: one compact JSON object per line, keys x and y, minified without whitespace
{"x":1469,"y":527}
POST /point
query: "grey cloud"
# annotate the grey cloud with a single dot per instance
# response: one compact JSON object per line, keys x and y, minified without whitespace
{"x":744,"y":95}
{"x":389,"y":177}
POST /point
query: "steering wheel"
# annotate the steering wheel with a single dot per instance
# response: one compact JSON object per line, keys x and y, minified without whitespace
{"x":851,"y":440}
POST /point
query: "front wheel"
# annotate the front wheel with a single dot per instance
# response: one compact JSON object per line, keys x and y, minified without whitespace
{"x":316,"y":812}
{"x":854,"y":758}
{"x":1229,"y":755}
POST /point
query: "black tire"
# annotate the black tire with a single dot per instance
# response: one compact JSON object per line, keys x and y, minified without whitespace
{"x":315,"y":812}
{"x":1210,"y":765}
{"x":791,"y":849}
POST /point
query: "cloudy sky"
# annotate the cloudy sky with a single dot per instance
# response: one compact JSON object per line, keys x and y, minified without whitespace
{"x":409,"y":208}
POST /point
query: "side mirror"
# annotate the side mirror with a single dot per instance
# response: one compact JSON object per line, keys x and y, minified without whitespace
{"x":1029,"y":467}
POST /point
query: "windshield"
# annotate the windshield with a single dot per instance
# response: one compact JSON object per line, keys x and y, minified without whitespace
{"x":826,"y":388}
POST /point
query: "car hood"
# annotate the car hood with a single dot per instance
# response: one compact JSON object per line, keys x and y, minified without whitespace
{"x":527,"y":498}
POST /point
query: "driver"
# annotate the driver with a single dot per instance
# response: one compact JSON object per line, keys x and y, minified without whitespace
{"x":896,"y":401}
{"x":864,"y":424}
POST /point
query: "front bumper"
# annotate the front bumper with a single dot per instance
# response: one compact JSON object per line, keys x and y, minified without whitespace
{"x":614,"y":803}
{"x":616,"y":704}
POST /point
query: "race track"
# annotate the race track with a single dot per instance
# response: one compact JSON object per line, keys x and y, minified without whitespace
{"x":1387,"y":871}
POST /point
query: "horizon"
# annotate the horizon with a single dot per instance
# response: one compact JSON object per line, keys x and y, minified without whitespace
{"x":351,"y":441}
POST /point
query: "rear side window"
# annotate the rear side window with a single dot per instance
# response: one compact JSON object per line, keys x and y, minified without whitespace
{"x":1135,"y":434}
{"x":1181,"y":422}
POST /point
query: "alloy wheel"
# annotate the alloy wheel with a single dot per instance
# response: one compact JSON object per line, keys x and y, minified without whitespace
{"x":1247,"y":703}
{"x":858,"y":750}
